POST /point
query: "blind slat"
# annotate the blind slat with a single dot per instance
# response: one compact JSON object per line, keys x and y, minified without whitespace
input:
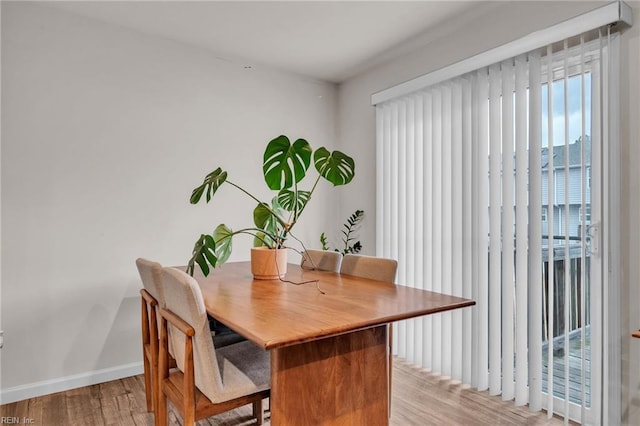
{"x":427,"y":347}
{"x":567,"y":257}
{"x":410,"y":236}
{"x":522,"y":239}
{"x":495,"y":240}
{"x":482,"y":228}
{"x":534,"y":294}
{"x":550,"y":233}
{"x":508,"y":291}
{"x":456,"y":229}
{"x":419,"y":220}
{"x":468,"y":278}
{"x":437,"y":222}
{"x":446,"y":233}
{"x":583,"y":239}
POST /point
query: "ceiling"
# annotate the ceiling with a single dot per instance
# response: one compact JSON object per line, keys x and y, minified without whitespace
{"x":326,"y":40}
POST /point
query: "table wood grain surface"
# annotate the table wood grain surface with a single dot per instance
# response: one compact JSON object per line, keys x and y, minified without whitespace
{"x":274,"y":313}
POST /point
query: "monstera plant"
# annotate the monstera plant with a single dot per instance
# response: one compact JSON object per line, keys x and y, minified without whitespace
{"x":285,"y":165}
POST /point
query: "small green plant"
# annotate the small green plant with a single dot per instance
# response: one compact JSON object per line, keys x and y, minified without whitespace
{"x":349,"y":240}
{"x":285,"y":165}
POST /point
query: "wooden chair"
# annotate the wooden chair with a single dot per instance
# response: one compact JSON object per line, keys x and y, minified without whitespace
{"x":322,"y":260}
{"x":376,"y":268}
{"x":150,"y":295}
{"x":152,"y":299}
{"x":208,"y":380}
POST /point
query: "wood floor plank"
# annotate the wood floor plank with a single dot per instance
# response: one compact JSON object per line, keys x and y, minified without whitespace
{"x":419,"y":398}
{"x":54,"y":409}
{"x":83,"y":407}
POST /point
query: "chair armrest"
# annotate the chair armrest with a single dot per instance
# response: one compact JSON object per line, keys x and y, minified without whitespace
{"x":189,"y":385}
{"x":151,"y":301}
{"x":177,"y":322}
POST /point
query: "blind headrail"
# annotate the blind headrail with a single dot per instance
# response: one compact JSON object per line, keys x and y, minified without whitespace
{"x":611,"y":13}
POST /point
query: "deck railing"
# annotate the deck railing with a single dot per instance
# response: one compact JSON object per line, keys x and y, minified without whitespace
{"x":579,"y":265}
{"x":561,"y":301}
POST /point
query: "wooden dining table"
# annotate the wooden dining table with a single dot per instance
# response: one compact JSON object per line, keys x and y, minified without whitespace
{"x":327,"y":334}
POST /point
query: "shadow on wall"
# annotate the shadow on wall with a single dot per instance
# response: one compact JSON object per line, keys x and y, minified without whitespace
{"x":75,"y":333}
{"x":107,"y":340}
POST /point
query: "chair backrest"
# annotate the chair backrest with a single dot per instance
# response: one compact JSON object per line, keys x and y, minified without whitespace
{"x":321,"y":259}
{"x":377,"y":268}
{"x":150,"y":274}
{"x":184,"y":298}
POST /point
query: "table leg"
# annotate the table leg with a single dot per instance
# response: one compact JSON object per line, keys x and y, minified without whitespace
{"x":335,"y":380}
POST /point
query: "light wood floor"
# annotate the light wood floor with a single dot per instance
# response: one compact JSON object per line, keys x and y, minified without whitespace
{"x":419,"y":398}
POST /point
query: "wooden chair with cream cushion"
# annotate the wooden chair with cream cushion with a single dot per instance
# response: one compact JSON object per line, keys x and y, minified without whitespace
{"x":322,"y":260}
{"x":376,"y":268}
{"x":150,"y":297}
{"x":208,"y":380}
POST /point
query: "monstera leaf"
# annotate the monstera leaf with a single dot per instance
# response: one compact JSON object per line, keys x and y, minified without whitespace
{"x":293,"y":201}
{"x":262,"y":216}
{"x":211,"y":184}
{"x":336,"y":167}
{"x":223,"y":237}
{"x":261,"y":239}
{"x":265,"y":219}
{"x":285,"y":164}
{"x":203,"y":254}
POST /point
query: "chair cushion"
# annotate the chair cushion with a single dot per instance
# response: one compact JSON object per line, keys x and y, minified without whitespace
{"x":244,"y":368}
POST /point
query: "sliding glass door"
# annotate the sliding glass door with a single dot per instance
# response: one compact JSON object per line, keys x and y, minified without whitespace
{"x":571,"y":200}
{"x":492,"y":186}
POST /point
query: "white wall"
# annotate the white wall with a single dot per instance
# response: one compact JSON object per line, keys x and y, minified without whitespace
{"x":489,"y":26}
{"x":105,"y":132}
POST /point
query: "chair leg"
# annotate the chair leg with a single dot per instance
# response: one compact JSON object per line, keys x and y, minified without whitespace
{"x":161,"y":414}
{"x":162,"y":374}
{"x":155,"y":382}
{"x":148,"y":382}
{"x":257,"y":411}
{"x":189,"y":419}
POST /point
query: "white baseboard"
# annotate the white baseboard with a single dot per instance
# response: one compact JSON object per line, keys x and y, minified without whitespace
{"x":31,"y":390}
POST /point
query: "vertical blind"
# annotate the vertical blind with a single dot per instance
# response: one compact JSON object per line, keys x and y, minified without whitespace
{"x":464,"y":169}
